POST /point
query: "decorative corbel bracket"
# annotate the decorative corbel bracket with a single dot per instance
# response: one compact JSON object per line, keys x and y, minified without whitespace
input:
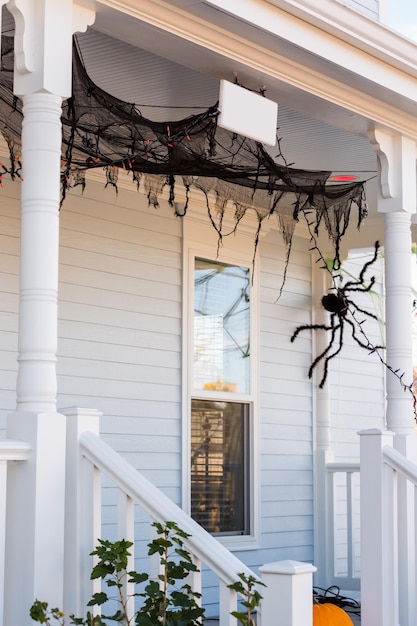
{"x":397,"y":170}
{"x":2,"y":3}
{"x":383,"y":145}
{"x":23,"y":12}
{"x":82,"y":18}
{"x":43,"y":43}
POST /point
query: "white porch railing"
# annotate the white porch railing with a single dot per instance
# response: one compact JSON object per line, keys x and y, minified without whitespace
{"x":343,"y":525}
{"x":10,"y":452}
{"x":388,"y":532}
{"x":89,"y":458}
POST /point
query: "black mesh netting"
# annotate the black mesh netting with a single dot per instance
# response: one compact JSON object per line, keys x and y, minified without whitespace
{"x":101,"y":131}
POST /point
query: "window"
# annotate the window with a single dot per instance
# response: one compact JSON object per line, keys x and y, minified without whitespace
{"x":219,"y":466}
{"x":221,"y":401}
{"x":221,"y":327}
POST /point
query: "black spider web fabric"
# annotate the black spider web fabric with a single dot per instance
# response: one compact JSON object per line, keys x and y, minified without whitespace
{"x":101,"y":131}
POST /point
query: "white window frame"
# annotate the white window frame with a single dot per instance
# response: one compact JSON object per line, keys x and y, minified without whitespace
{"x":200,"y":240}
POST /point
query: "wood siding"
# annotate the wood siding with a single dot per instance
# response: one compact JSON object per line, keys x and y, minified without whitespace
{"x":356,"y":369}
{"x":120,"y":351}
{"x":120,"y":325}
{"x":9,"y":300}
{"x":285,"y":405}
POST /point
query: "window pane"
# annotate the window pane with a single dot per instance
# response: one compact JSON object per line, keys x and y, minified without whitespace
{"x":221,"y":327}
{"x":219,"y":466}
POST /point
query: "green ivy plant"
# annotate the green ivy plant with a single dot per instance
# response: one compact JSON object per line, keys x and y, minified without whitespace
{"x":246,"y":586}
{"x":164,"y":603}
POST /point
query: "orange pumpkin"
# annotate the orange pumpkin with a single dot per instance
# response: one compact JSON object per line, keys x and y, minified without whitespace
{"x":329,"y":614}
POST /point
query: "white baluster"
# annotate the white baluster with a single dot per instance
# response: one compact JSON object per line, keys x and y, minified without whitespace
{"x":194,"y":579}
{"x":228,"y":603}
{"x":126,"y":530}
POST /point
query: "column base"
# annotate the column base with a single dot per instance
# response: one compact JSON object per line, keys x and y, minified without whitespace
{"x":35,"y":515}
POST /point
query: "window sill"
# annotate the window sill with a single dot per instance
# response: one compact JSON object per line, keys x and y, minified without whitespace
{"x":239,"y":543}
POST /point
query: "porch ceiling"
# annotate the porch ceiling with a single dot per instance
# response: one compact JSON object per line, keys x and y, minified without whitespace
{"x":189,"y":51}
{"x":164,"y":89}
{"x":330,"y":62}
{"x":158,"y":84}
{"x":138,"y":60}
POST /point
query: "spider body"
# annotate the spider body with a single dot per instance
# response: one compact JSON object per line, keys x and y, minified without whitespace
{"x":335,"y":303}
{"x":343,"y":311}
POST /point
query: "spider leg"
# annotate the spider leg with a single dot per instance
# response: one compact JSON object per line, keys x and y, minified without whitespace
{"x":339,"y":327}
{"x":334,"y":328}
{"x":309,"y":327}
{"x":367,"y":346}
{"x":370,"y":262}
{"x":358,"y":285}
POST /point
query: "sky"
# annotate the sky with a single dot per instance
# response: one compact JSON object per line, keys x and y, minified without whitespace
{"x":402,"y":16}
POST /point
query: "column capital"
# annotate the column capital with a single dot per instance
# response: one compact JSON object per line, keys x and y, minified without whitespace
{"x":397,"y":155}
{"x":43,"y":43}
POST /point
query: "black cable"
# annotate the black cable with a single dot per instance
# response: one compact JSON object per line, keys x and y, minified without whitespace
{"x":332,"y":595}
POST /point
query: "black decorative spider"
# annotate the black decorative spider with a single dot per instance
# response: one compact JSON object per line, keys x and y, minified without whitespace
{"x":343,"y":311}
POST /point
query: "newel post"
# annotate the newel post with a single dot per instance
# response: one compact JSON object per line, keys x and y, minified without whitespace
{"x":82,"y":511}
{"x":378,"y":604}
{"x":288,"y":593}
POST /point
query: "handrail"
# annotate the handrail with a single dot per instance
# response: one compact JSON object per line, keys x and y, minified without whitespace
{"x":400,"y":463}
{"x":161,"y":508}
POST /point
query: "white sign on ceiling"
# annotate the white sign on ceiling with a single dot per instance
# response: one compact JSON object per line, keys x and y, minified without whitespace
{"x":247,"y":113}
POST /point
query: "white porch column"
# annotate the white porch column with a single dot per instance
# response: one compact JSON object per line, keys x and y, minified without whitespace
{"x":36,"y":488}
{"x":399,"y":356}
{"x":41,"y":155}
{"x":397,"y":200}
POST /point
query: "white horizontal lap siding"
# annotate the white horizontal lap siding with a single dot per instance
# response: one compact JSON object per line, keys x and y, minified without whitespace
{"x":120,"y":325}
{"x":9,"y":298}
{"x":356,"y":376}
{"x":285,"y":404}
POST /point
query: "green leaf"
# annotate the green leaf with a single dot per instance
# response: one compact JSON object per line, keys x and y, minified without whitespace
{"x":134,"y":577}
{"x":98,"y":598}
{"x":38,"y":612}
{"x":76,"y":620}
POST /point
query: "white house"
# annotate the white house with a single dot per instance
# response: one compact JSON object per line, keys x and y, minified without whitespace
{"x":175,"y":343}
